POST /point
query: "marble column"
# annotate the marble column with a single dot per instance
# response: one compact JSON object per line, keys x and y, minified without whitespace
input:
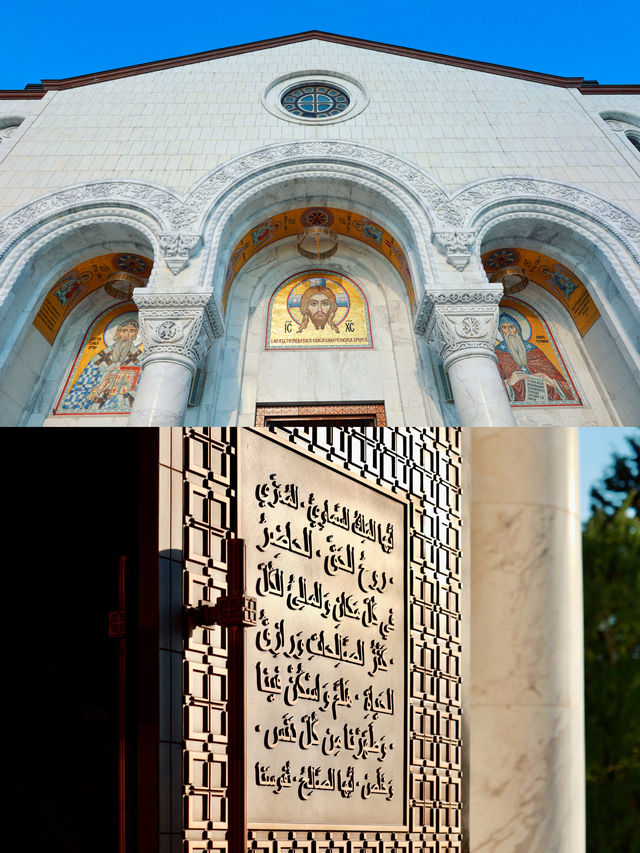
{"x":177,"y":329}
{"x":525,"y":701}
{"x":461,"y":328}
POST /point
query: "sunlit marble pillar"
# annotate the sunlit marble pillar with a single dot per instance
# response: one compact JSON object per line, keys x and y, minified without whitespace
{"x":525,"y":701}
{"x":460,"y":327}
{"x":478,"y":391}
{"x":177,"y":330}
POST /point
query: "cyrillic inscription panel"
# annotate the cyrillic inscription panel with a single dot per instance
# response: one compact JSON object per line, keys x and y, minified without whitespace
{"x":326,"y":665}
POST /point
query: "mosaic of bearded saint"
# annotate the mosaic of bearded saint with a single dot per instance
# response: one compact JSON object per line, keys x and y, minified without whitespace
{"x":318,"y":304}
{"x":108,"y":381}
{"x":527,"y":373}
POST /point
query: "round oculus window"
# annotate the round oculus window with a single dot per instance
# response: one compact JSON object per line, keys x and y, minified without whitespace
{"x":315,"y":101}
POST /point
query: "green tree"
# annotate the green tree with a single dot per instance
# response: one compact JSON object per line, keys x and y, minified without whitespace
{"x":621,"y":483}
{"x":611,"y":553}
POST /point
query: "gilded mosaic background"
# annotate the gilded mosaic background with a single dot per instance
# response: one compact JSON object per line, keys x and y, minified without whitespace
{"x":291,"y":222}
{"x":77,"y":283}
{"x":106,"y":371}
{"x":532,"y":369}
{"x":553,"y":276}
{"x":318,"y":309}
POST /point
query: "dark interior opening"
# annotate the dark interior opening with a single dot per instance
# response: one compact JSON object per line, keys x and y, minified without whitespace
{"x":75,"y":509}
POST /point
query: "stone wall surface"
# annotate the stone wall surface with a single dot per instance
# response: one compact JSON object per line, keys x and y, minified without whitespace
{"x":174,"y":126}
{"x":451,"y":161}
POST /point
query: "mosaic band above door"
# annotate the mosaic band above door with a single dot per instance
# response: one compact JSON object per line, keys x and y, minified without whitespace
{"x":343,"y":222}
{"x":77,"y":283}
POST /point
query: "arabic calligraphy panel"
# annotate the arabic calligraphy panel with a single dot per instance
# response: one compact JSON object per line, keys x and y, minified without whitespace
{"x":326,"y":664}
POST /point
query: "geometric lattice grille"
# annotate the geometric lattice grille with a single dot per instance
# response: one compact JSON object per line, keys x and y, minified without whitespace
{"x":423,"y":465}
{"x":209,"y":520}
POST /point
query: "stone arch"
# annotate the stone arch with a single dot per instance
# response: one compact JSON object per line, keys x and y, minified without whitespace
{"x":30,"y":365}
{"x":599,"y":243}
{"x":150,"y":205}
{"x":612,"y":230}
{"x":243,"y":372}
{"x":240,"y":194}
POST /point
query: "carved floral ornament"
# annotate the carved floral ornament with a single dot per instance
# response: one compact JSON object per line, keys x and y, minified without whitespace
{"x":177,"y":247}
{"x":177,"y":324}
{"x":182,"y":219}
{"x":458,"y":323}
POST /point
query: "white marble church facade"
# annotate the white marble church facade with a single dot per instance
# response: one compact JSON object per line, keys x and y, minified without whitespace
{"x":456,"y":171}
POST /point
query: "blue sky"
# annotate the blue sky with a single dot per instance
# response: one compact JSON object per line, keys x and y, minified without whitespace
{"x":597,"y":445}
{"x":53,"y":40}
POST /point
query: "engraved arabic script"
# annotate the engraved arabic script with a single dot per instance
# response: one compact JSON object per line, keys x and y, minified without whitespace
{"x":326,"y":663}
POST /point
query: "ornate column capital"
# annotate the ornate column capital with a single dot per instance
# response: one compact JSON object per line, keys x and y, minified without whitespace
{"x":177,"y":326}
{"x":457,"y":246}
{"x":460,"y":323}
{"x":177,"y":247}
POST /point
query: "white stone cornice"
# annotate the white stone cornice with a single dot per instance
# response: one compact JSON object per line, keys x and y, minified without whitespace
{"x":177,"y":324}
{"x":463,"y":300}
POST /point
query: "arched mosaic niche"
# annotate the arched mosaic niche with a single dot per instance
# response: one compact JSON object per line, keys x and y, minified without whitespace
{"x":106,"y":370}
{"x":79,"y":282}
{"x":550,"y":274}
{"x":343,"y":222}
{"x":318,"y":309}
{"x":530,"y":364}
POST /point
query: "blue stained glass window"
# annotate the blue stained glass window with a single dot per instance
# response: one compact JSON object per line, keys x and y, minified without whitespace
{"x":315,"y":101}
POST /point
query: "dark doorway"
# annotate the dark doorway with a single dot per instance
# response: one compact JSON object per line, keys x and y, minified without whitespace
{"x":74,"y":514}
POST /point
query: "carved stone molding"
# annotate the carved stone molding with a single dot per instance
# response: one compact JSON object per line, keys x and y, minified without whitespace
{"x":392,"y":176}
{"x":454,"y":219}
{"x":402,"y":215}
{"x":8,"y":131}
{"x":457,"y":245}
{"x":457,"y":299}
{"x":457,"y":324}
{"x":58,"y":230}
{"x":467,"y":206}
{"x":160,"y":203}
{"x":395,"y":168}
{"x":455,"y":214}
{"x":177,"y":324}
{"x":178,"y":247}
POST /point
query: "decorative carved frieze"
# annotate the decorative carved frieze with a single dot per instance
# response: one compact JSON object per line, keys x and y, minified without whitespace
{"x":456,"y":220}
{"x":465,"y":207}
{"x":182,"y":324}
